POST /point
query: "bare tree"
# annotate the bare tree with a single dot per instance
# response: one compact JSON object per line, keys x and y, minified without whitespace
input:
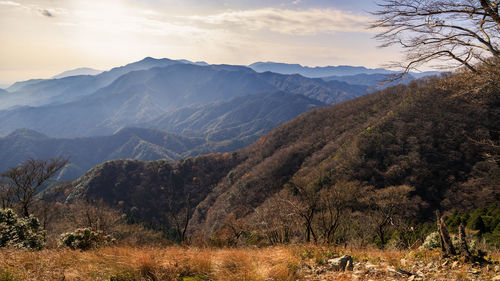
{"x":336,"y":203}
{"x":24,"y":180}
{"x":306,"y":203}
{"x":387,"y":206}
{"x":277,"y":220}
{"x":6,"y":196}
{"x":179,"y":216}
{"x":461,"y":31}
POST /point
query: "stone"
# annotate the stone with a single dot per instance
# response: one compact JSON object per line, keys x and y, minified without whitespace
{"x":369,"y":266}
{"x":320,"y":271}
{"x":474,"y":271}
{"x":341,"y":264}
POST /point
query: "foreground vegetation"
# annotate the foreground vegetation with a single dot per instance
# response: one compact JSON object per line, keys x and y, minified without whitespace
{"x":272,"y":263}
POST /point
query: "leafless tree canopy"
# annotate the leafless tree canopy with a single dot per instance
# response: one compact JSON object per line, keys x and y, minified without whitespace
{"x":21,"y":182}
{"x":460,"y":32}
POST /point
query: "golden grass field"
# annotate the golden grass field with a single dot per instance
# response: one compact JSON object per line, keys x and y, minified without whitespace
{"x":272,"y":263}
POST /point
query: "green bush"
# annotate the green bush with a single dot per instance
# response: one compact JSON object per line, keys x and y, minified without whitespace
{"x":85,"y":239}
{"x":20,"y":232}
{"x":485,"y":222}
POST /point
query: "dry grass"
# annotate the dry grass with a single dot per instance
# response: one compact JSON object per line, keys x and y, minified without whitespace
{"x":178,"y":263}
{"x":172,"y":263}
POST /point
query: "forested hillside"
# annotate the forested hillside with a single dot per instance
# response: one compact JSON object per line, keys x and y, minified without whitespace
{"x":432,"y":144}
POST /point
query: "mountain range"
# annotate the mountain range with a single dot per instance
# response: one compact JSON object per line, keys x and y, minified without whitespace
{"x":223,"y":107}
{"x":142,"y":96}
{"x":215,"y":127}
{"x":433,"y":135}
{"x":325,"y":71}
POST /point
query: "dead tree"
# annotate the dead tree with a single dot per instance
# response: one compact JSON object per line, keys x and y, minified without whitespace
{"x":461,"y":31}
{"x":464,"y":248}
{"x":444,"y":236}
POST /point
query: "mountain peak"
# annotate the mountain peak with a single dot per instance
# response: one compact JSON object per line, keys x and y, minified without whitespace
{"x":78,"y":71}
{"x":27,"y":133}
{"x":148,"y":59}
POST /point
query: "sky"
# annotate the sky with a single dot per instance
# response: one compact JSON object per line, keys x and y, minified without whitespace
{"x":42,"y":38}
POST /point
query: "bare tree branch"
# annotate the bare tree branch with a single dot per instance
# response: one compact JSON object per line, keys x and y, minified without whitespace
{"x":24,"y":180}
{"x":465,"y":31}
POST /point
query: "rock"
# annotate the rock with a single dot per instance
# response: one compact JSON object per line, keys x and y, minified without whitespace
{"x":320,"y":271}
{"x":343,"y":263}
{"x":393,"y":272}
{"x":474,"y":271}
{"x":369,"y":266}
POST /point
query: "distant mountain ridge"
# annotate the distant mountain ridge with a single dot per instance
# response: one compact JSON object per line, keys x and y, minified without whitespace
{"x":143,"y":95}
{"x":37,"y":92}
{"x":216,"y":127}
{"x":84,"y":153}
{"x":77,"y":72}
{"x":375,"y":81}
{"x":325,"y":71}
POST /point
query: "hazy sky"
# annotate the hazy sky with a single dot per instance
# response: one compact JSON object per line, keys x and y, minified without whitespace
{"x":45,"y":37}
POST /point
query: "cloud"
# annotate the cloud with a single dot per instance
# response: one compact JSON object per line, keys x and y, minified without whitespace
{"x":35,"y":9}
{"x":286,"y":21}
{"x":9,"y":3}
{"x":46,"y":13}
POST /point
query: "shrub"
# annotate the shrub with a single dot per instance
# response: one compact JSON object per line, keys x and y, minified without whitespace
{"x":85,"y":239}
{"x":432,"y":241}
{"x":20,"y":232}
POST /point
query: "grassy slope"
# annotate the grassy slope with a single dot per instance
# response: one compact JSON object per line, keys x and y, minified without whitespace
{"x":275,"y":263}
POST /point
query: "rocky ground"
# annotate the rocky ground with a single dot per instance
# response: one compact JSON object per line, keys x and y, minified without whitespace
{"x":408,"y":268}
